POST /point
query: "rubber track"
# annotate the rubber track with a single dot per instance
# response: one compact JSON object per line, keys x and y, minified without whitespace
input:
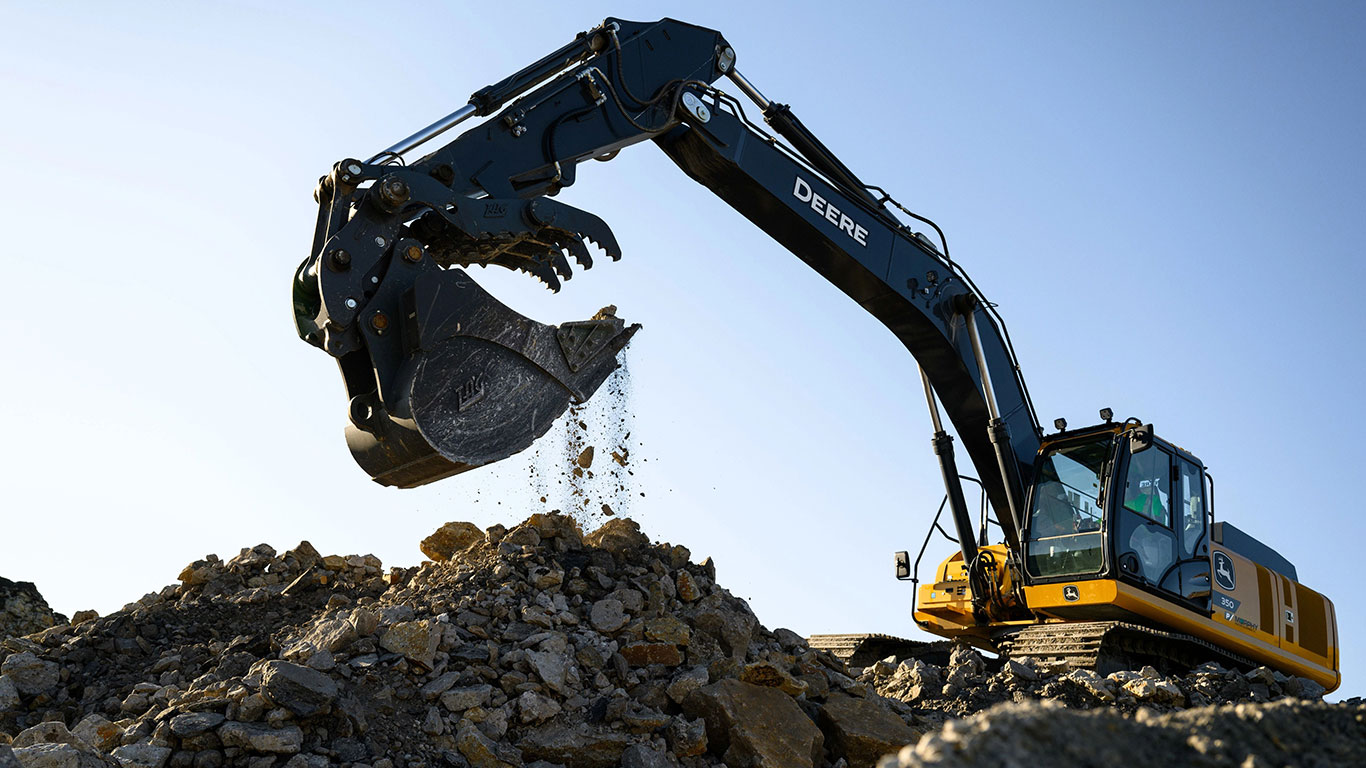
{"x":1107,"y":646}
{"x":863,"y":649}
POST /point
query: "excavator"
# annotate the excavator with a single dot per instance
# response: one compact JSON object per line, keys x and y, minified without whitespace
{"x":1109,"y":552}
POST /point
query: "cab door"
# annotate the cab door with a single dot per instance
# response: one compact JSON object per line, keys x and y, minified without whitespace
{"x":1145,"y":542}
{"x":1162,"y":530}
{"x":1190,"y":580}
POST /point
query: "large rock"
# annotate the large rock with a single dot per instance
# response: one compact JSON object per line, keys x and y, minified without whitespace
{"x":481,"y":751}
{"x":461,"y":699}
{"x":608,"y":615}
{"x":751,"y":726}
{"x":303,"y":691}
{"x":862,"y":730}
{"x":194,"y":723}
{"x":417,"y":640}
{"x":619,"y":536}
{"x":645,"y":654}
{"x":262,"y":739}
{"x":57,"y":756}
{"x":30,"y":674}
{"x":50,"y":732}
{"x":333,"y":635}
{"x":141,"y":756}
{"x":9,"y":695}
{"x":582,"y":747}
{"x":98,"y":732}
{"x":552,"y":666}
{"x":450,"y":540}
{"x":552,"y":526}
{"x":7,"y":758}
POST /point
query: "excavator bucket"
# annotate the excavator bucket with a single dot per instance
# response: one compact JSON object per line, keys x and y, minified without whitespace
{"x":481,"y":382}
{"x":441,"y":376}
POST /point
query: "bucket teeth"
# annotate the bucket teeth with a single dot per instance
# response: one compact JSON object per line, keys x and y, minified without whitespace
{"x":536,"y":236}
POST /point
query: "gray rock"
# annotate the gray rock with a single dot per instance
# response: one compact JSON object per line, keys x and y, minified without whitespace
{"x":433,"y":724}
{"x":686,"y":682}
{"x":440,"y":685}
{"x":9,"y":695}
{"x":417,"y":640}
{"x":687,"y":737}
{"x":862,"y":730}
{"x":333,"y":635}
{"x":533,"y":707}
{"x":641,"y":756}
{"x":50,"y":732}
{"x":1092,"y":683}
{"x":7,"y":758}
{"x":1310,"y":689}
{"x":461,"y":699}
{"x":1021,"y":671}
{"x":754,"y":726}
{"x":141,"y":756}
{"x":552,"y":667}
{"x":608,"y":615}
{"x":579,"y":747}
{"x":58,"y":756}
{"x":303,"y":691}
{"x":365,"y":621}
{"x":30,"y":674}
{"x":480,"y":750}
{"x":96,"y":731}
{"x":619,"y":536}
{"x":262,"y":739}
{"x":195,"y":723}
{"x":966,"y":657}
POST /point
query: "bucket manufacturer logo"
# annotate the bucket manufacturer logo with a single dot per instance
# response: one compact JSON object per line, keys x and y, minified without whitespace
{"x":1223,"y":571}
{"x":1070,"y":593}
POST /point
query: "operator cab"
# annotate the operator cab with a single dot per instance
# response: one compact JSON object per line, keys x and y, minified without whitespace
{"x":1115,"y":501}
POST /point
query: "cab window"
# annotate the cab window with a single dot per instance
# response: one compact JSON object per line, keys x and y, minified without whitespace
{"x":1065,"y":517}
{"x":1193,"y":511}
{"x":1147,"y":489}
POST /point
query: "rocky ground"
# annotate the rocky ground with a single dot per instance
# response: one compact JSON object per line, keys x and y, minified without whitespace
{"x":543,"y":646}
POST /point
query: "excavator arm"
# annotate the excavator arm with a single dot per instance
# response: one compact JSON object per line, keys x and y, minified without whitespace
{"x":442,"y":378}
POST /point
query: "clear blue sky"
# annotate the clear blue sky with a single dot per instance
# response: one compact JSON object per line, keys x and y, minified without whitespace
{"x":1163,"y":199}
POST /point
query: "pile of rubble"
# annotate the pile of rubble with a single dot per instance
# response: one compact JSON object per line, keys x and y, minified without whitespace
{"x":542,"y":646}
{"x":23,"y":611}
{"x":971,"y":684}
{"x":531,"y":646}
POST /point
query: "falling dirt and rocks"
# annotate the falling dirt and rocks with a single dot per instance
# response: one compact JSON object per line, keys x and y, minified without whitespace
{"x":543,"y":646}
{"x":586,"y":470}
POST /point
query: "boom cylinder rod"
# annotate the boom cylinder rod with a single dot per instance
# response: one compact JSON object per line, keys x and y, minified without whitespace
{"x":948,"y":466}
{"x":997,"y":431}
{"x":971,"y":317}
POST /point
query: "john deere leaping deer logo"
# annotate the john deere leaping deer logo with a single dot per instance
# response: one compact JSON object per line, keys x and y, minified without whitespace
{"x":1223,"y":571}
{"x":1070,"y":593}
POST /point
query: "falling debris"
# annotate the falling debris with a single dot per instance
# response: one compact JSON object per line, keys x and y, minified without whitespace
{"x":564,"y":475}
{"x":585,"y":459}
